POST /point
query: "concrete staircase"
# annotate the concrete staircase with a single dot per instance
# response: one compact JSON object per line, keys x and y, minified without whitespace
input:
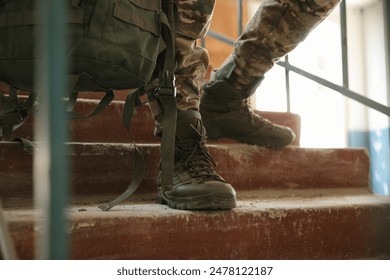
{"x":293,"y":203}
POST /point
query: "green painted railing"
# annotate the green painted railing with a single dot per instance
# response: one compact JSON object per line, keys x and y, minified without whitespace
{"x":51,"y":163}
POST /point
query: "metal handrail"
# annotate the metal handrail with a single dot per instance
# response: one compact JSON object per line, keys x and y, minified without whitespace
{"x":344,"y":90}
{"x":341,"y":89}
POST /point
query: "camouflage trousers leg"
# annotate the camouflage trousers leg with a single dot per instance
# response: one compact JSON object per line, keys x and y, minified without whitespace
{"x":275,"y":29}
{"x":193,"y":22}
{"x":194,"y":18}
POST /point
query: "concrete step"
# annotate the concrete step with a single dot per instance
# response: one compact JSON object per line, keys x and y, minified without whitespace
{"x":336,"y":225}
{"x":107,"y":126}
{"x":104,"y":168}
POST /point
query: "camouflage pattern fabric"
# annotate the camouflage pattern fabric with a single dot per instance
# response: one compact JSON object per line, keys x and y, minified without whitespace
{"x":275,"y":29}
{"x":194,"y":18}
{"x":193,"y":22}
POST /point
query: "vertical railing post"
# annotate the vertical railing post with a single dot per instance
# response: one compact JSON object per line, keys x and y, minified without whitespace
{"x":50,"y":160}
{"x":344,"y":43}
{"x":288,"y":89}
{"x":386,"y":9}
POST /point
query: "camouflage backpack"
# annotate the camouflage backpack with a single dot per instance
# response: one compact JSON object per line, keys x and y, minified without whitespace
{"x":113,"y":44}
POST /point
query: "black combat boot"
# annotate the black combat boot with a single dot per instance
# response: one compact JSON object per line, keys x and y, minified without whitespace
{"x":226,"y":113}
{"x":196,"y":185}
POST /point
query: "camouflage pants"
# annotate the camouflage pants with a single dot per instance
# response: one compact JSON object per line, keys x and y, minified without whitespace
{"x":276,"y":28}
{"x":192,"y":60}
{"x":194,"y":18}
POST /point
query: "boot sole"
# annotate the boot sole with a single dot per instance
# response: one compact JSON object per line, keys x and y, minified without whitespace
{"x":216,"y":134}
{"x":215,"y":201}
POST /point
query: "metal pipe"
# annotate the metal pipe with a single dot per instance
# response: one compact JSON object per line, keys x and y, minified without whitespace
{"x":386,"y":11}
{"x":51,"y":162}
{"x":386,"y":17}
{"x":288,"y":88}
{"x":221,"y":37}
{"x":341,"y":89}
{"x":344,"y":43}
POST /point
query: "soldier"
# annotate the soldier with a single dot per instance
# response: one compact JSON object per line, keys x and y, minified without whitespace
{"x":277,"y":27}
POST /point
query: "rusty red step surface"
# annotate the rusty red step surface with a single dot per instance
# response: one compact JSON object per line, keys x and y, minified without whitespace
{"x":107,"y":126}
{"x":107,"y":168}
{"x":333,"y":226}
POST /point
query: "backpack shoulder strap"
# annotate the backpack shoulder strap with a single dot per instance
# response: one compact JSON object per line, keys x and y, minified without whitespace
{"x":167,"y":93}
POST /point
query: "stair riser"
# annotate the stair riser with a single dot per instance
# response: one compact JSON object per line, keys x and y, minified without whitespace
{"x":107,"y":126}
{"x":106,"y":169}
{"x":322,"y":233}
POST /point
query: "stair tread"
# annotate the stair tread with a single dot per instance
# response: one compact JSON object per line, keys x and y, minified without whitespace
{"x":247,"y":202}
{"x":349,"y":226}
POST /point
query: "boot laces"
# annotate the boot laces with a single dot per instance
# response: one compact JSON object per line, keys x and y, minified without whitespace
{"x":255,"y":118}
{"x":197,"y":159}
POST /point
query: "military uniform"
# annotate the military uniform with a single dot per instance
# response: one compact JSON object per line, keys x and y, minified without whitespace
{"x":276,"y":28}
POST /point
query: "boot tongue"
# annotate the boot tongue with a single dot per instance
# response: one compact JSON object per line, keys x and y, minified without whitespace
{"x":189,"y":126}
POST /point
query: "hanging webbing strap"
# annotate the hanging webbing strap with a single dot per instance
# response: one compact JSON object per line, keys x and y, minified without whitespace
{"x":166,"y":92}
{"x":13,"y":112}
{"x":104,"y":102}
{"x":139,"y":162}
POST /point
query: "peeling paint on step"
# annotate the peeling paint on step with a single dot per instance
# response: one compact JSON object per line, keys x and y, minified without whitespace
{"x":277,"y":213}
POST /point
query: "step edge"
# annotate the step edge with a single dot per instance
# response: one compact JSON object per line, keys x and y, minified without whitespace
{"x":249,"y":207}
